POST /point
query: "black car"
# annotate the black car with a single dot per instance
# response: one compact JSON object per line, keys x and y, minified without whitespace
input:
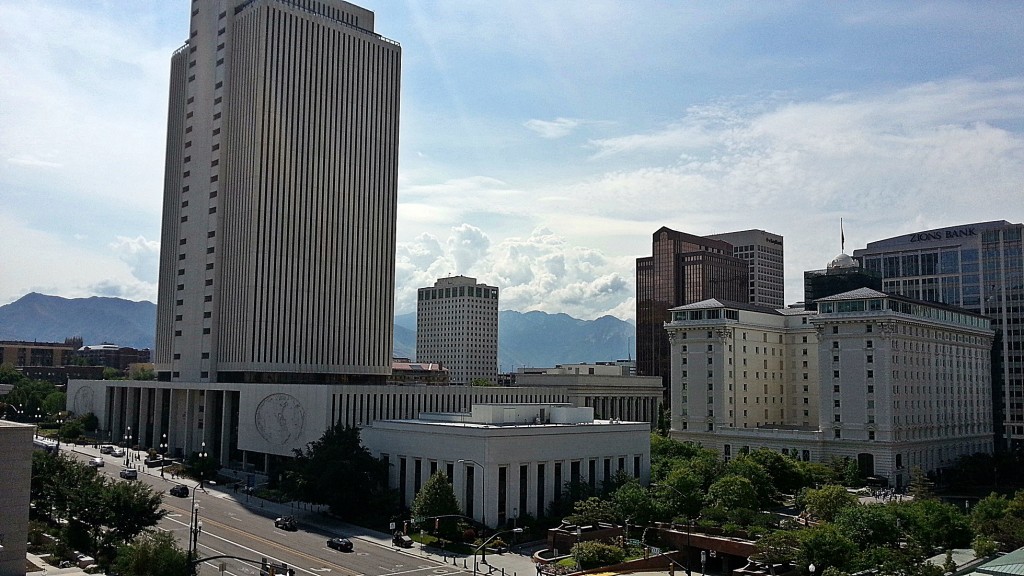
{"x":179,"y":491}
{"x":342,"y":544}
{"x":286,"y":523}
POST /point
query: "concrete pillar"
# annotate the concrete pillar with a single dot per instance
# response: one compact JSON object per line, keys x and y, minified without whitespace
{"x":117,"y":414}
{"x":144,"y":421}
{"x":227,"y":409}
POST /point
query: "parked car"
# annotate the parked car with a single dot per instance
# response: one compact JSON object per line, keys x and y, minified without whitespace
{"x":117,"y":452}
{"x":129,"y":474}
{"x":402,"y":540}
{"x":106,"y":449}
{"x":342,"y":544}
{"x":286,"y":523}
{"x":96,"y":462}
{"x":179,"y":491}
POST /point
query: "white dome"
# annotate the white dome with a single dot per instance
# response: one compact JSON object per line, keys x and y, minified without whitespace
{"x":842,"y":261}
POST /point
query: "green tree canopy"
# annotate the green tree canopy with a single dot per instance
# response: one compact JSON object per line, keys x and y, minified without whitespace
{"x":681,"y":491}
{"x":153,"y":554}
{"x":592,"y":510}
{"x":827,"y":501}
{"x":633,"y":502}
{"x":785,"y":471}
{"x":759,"y":477}
{"x":872,"y":525}
{"x":732,"y":492}
{"x":825,"y":546}
{"x":934,"y":524}
{"x":338,"y":471}
{"x":436,"y":498}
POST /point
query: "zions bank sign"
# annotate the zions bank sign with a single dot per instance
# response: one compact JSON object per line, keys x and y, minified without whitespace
{"x":943,"y":234}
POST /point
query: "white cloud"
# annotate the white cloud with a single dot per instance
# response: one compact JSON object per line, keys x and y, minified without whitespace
{"x":557,"y":128}
{"x":141,"y":255}
{"x":539,"y":272}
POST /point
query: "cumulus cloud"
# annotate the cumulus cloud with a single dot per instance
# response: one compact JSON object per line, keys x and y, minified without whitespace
{"x":141,"y":255}
{"x":539,"y":272}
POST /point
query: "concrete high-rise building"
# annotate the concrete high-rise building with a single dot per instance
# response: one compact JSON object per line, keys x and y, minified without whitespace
{"x":280,"y":191}
{"x":764,"y":255}
{"x":457,"y":327}
{"x":682,"y":269}
{"x":979,"y":267}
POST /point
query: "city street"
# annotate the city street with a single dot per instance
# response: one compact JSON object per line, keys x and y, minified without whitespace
{"x":231,"y":526}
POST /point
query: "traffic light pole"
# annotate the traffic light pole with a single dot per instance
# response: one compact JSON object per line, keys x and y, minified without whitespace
{"x":265,"y":568}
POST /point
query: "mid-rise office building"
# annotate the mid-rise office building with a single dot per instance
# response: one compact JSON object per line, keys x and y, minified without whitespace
{"x":979,"y":267}
{"x":682,"y":269}
{"x":890,"y":382}
{"x":764,"y":255}
{"x":457,"y":327}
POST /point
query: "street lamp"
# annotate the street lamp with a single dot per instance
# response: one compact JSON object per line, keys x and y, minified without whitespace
{"x":195,"y":528}
{"x":486,"y":542}
{"x":704,"y":560}
{"x":163,"y":452}
{"x":60,"y":422}
{"x":483,"y":488}
{"x":127,"y":445}
{"x":202,"y":464}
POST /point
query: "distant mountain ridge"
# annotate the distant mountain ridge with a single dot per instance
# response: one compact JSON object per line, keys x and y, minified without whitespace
{"x":524,"y":339}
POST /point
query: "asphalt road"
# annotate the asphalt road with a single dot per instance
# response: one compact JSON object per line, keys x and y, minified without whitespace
{"x":236,"y":528}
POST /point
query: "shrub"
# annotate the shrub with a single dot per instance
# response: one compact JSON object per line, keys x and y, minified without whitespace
{"x":594,"y":554}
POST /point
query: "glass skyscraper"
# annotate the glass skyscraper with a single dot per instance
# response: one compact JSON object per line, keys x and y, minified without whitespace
{"x":979,"y":267}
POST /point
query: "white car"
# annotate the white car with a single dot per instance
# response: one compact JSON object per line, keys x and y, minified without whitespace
{"x":129,"y":474}
{"x":117,"y":452}
{"x":96,"y":462}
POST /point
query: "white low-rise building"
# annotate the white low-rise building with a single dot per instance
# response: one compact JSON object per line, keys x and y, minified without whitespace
{"x":507,"y":460}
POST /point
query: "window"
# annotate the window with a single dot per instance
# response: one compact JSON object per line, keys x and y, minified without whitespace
{"x":835,"y":373}
{"x":837,"y":433}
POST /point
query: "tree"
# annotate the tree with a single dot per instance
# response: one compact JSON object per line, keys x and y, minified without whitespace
{"x":778,"y":547}
{"x":870,"y":526}
{"x":732,"y":492}
{"x":71,"y":430}
{"x":785,"y":471}
{"x":132,"y":507}
{"x":54,"y":402}
{"x":591,"y":511}
{"x":338,"y":471}
{"x":632,"y":501}
{"x":759,"y":477}
{"x":827,"y":501}
{"x":112,"y":374}
{"x":933,"y":524}
{"x":824,"y":546}
{"x":682,"y":492}
{"x":142,"y":373}
{"x":593,"y":554}
{"x":920,"y":486}
{"x":436,"y":498}
{"x":90,"y":422}
{"x":153,"y":554}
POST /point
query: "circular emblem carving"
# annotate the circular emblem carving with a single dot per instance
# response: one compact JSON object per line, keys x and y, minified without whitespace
{"x":280,"y":418}
{"x":83,"y":400}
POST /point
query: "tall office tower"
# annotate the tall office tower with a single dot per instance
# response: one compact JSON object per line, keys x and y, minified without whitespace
{"x":682,"y":269}
{"x":278,"y":242}
{"x":764,"y":255}
{"x":457,"y":327}
{"x":979,"y":267}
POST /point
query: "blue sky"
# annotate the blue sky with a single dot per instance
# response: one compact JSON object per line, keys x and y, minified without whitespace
{"x":542,"y":143}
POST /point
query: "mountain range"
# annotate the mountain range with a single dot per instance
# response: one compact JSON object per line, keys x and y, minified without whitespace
{"x":535,"y":339}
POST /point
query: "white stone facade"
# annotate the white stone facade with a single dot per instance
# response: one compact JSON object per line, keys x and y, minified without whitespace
{"x":513,"y":458}
{"x":457,"y":327}
{"x":890,"y":382}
